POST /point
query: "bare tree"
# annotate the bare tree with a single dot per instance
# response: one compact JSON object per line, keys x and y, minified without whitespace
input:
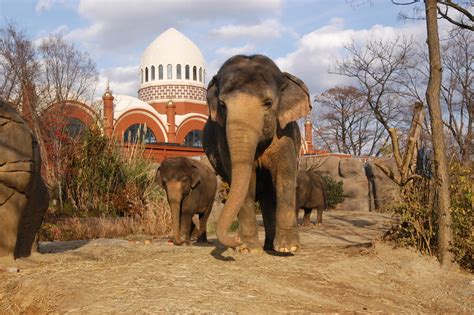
{"x":380,"y":69}
{"x":21,"y":72}
{"x":457,"y":90}
{"x":68,"y":74}
{"x":32,"y":79}
{"x":346,"y":125}
{"x":459,"y":14}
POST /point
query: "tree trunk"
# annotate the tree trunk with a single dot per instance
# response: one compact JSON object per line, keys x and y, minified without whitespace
{"x":445,"y":238}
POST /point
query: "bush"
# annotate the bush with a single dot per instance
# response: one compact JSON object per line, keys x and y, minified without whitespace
{"x":335,"y":190}
{"x":108,"y":181}
{"x":417,"y":212}
{"x":463,"y":214}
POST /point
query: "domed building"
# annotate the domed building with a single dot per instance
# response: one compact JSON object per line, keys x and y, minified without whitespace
{"x":171,"y":104}
{"x":170,"y":111}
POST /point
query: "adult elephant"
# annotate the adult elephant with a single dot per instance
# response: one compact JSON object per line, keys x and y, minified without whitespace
{"x":311,"y":193}
{"x":253,"y":142}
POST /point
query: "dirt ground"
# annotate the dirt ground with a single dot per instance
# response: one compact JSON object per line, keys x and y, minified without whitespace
{"x":342,"y":267}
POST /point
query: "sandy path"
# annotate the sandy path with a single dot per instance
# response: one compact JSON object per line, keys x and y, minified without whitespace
{"x":340,"y":268}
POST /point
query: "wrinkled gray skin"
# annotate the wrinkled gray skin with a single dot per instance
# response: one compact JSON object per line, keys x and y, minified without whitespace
{"x":190,"y":187}
{"x":252,"y":140}
{"x":311,"y":193}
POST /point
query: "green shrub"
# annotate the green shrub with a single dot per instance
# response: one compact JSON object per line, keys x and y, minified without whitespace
{"x":335,"y":190}
{"x":104,"y":179}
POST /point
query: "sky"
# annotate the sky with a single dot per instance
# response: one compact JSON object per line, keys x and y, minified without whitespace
{"x":304,"y":37}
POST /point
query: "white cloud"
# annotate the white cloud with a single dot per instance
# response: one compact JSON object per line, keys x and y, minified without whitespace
{"x":317,"y":51}
{"x":230,"y":51}
{"x":265,"y":30}
{"x":122,"y":80}
{"x":120,"y":24}
{"x":46,"y":5}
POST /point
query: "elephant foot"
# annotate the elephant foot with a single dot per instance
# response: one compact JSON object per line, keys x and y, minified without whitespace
{"x":246,"y":249}
{"x":306,"y":223}
{"x":249,"y":245}
{"x":202,"y":239}
{"x":286,"y":240}
{"x":185,"y":242}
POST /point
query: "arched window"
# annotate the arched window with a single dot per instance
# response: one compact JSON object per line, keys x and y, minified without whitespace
{"x":74,"y":127}
{"x":204,"y":76}
{"x":194,"y":73}
{"x":178,"y":72}
{"x":146,"y":74}
{"x":193,"y":139}
{"x":186,"y":72}
{"x":139,"y":133}
{"x":169,"y":72}
{"x":141,"y":75}
{"x":152,"y":73}
{"x":160,"y":72}
{"x":200,"y":74}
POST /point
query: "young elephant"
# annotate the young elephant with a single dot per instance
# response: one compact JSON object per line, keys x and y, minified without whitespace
{"x":191,"y":188}
{"x":311,"y":192}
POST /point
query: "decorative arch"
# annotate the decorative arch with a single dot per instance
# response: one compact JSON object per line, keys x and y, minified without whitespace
{"x":71,"y":109}
{"x":160,"y":72}
{"x":186,"y":72}
{"x":194,"y":73}
{"x":188,"y":125}
{"x":152,"y":73}
{"x":68,"y":118}
{"x":140,"y":116}
{"x":169,"y":71}
{"x":178,"y":71}
{"x":146,"y":74}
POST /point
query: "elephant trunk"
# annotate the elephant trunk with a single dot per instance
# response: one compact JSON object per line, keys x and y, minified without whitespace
{"x":175,"y":218}
{"x":243,"y":128}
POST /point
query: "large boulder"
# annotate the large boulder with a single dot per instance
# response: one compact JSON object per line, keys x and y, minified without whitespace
{"x":356,"y":186}
{"x":352,"y":174}
{"x":384,"y":191}
{"x":325,"y":165}
{"x":23,"y":194}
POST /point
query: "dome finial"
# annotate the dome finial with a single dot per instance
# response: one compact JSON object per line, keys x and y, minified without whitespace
{"x":108,"y":92}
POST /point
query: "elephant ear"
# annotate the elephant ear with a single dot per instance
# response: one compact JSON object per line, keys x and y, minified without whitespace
{"x":158,"y":178}
{"x":195,"y":176}
{"x":294,"y":102}
{"x":212,"y":98}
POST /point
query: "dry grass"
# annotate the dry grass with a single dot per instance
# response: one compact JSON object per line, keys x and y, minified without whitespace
{"x":154,"y":223}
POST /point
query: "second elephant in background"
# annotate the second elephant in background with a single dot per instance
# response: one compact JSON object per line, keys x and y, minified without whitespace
{"x":311,"y":193}
{"x":190,"y":187}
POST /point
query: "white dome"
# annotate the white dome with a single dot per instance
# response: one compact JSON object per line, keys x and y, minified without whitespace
{"x":172,"y":48}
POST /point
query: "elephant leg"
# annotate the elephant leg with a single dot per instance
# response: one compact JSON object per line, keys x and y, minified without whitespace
{"x":194,"y":231}
{"x":185,"y":226}
{"x":286,"y":236}
{"x":268,"y":205}
{"x":248,"y":229}
{"x":203,"y":217}
{"x":307,"y":217}
{"x":319,"y":219}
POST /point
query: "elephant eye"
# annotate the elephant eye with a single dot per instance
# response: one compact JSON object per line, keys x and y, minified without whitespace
{"x":221,"y":103}
{"x":268,"y":103}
